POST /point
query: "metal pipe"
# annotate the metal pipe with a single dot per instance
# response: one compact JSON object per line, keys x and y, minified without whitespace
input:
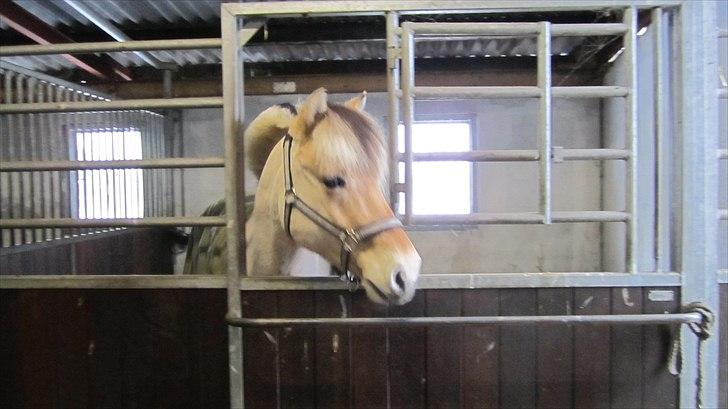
{"x":155,"y":103}
{"x":662,"y":204}
{"x":486,"y":29}
{"x":111,"y":46}
{"x":521,"y":218}
{"x":519,"y":92}
{"x":583,"y":30}
{"x":31,"y":223}
{"x":394,"y":53}
{"x":408,"y":108}
{"x":520,"y":155}
{"x":111,"y":30}
{"x":281,"y":283}
{"x":233,"y":116}
{"x":544,"y":119}
{"x":631,"y":144}
{"x":621,"y":319}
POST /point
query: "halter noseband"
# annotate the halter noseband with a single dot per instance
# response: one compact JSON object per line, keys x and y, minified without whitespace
{"x":350,"y":239}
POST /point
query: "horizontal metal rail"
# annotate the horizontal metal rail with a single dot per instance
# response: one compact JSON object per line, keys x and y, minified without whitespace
{"x":521,"y":29}
{"x":111,"y":46}
{"x":520,"y":155}
{"x":287,"y":283}
{"x":621,"y":319}
{"x":40,"y":223}
{"x":519,"y":92}
{"x":424,"y":7}
{"x":163,"y":163}
{"x":521,"y":218}
{"x":117,"y":105}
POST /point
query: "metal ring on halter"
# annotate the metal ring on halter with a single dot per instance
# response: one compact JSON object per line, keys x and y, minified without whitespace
{"x":350,"y":238}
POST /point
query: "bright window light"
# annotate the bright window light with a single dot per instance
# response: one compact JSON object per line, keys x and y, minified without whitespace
{"x":104,"y":194}
{"x":439,"y":187}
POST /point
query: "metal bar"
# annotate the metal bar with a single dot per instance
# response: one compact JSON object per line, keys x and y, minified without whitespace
{"x":723,"y":214}
{"x":128,"y":222}
{"x":425,"y":282}
{"x":111,"y":46}
{"x":662,"y":204}
{"x":698,"y":142}
{"x":519,"y":92}
{"x":520,"y":155}
{"x":626,"y":319}
{"x":408,"y":106}
{"x":630,"y":55}
{"x":24,"y":181}
{"x":521,"y":218}
{"x":56,"y":133}
{"x":544,"y":119}
{"x":486,"y":29}
{"x":564,"y":30}
{"x":722,"y":153}
{"x":393,"y":57}
{"x":12,"y":153}
{"x":233,"y":115}
{"x":723,"y":276}
{"x":160,"y":103}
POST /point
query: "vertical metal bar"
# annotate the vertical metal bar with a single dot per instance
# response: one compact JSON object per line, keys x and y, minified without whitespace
{"x":630,"y":50}
{"x":233,"y":114}
{"x":698,"y":144}
{"x":55,"y":133}
{"x":662,"y":262}
{"x":5,"y":135}
{"x":33,"y":148}
{"x":45,"y":155}
{"x":69,"y":183}
{"x":394,"y":53}
{"x":24,"y":150}
{"x":168,"y":134}
{"x":11,"y":121}
{"x":545,"y":115}
{"x":408,"y":102}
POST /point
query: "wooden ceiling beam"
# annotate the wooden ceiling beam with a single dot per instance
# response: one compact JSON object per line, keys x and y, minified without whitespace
{"x":27,"y":24}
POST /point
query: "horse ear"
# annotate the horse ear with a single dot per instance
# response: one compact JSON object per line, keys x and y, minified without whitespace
{"x":314,"y":107}
{"x":358,"y":102}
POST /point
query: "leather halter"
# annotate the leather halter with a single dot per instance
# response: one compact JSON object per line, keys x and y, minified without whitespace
{"x":350,"y":239}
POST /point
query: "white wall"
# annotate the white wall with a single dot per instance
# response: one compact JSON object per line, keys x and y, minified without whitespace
{"x":502,"y":187}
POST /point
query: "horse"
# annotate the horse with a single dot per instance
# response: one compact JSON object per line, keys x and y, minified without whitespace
{"x":321,"y":168}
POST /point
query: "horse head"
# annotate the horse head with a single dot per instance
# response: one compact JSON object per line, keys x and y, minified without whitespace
{"x":337,"y":160}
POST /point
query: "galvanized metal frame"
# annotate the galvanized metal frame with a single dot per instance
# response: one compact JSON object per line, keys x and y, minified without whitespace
{"x":697,"y":112}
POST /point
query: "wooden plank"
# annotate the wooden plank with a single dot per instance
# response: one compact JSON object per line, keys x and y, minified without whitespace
{"x":73,"y":348}
{"x":555,"y":350}
{"x":660,"y":387}
{"x":626,"y":377}
{"x":260,"y":352}
{"x":407,"y":376}
{"x":444,"y":350}
{"x":480,"y":351}
{"x":369,"y":356}
{"x":296,"y":352}
{"x":518,"y":351}
{"x":591,"y":350}
{"x":333,"y":351}
{"x":107,"y":347}
{"x":211,"y":332}
{"x":12,"y":352}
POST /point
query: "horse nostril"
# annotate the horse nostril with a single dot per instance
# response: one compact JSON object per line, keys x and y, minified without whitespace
{"x":399,"y":281}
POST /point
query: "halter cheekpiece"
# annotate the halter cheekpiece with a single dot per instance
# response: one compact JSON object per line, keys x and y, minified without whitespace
{"x":350,"y":239}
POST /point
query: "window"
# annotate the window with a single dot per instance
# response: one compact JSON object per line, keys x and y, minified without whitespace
{"x":439,"y":187}
{"x":103,"y":194}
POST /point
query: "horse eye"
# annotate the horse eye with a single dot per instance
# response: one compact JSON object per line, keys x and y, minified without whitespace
{"x":333,"y":182}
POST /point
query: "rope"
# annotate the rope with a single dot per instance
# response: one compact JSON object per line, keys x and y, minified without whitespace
{"x":702,"y":330}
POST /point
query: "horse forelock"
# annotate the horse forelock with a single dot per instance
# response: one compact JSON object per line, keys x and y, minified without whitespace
{"x":352,"y":139}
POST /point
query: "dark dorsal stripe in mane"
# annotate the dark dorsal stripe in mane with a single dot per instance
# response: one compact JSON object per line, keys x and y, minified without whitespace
{"x":365,"y":129}
{"x":289,"y":107}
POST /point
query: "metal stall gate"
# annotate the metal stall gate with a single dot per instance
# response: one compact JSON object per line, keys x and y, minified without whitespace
{"x":692,"y":128}
{"x":695,"y":136}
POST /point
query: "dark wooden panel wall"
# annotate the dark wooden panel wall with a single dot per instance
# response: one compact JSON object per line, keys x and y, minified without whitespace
{"x":131,"y":251}
{"x":168,"y":349}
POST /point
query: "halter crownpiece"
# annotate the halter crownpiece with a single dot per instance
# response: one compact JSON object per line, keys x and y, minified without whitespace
{"x":350,"y":239}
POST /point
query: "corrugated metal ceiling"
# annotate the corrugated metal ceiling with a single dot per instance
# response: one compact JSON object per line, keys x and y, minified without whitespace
{"x":150,"y":12}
